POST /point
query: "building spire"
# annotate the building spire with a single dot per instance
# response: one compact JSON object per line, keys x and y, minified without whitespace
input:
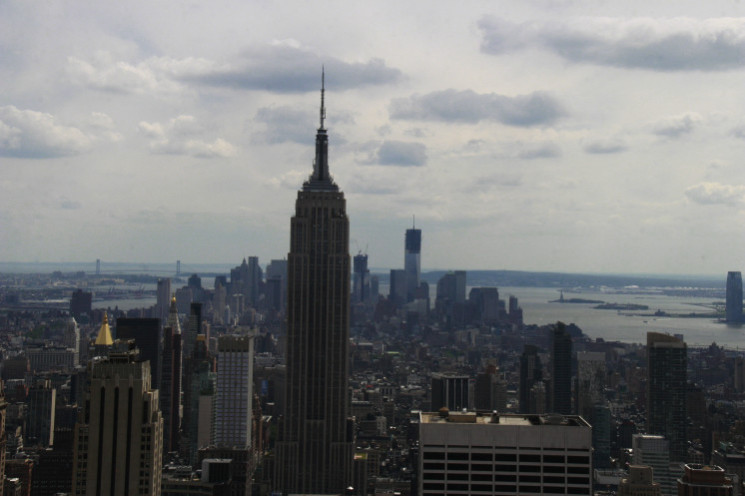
{"x":321,"y":180}
{"x":323,"y":91}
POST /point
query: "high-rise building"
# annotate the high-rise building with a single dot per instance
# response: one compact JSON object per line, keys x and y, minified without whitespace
{"x":199,"y":392}
{"x":234,"y":395}
{"x":163,"y":301}
{"x":147,"y":335}
{"x":666,"y":391}
{"x":561,"y":370}
{"x":412,"y":261}
{"x":591,"y":371}
{"x":531,"y":373}
{"x":471,"y":454}
{"x":314,"y":448}
{"x":490,"y":390}
{"x":450,"y":391}
{"x":3,"y":439}
{"x":733,"y":306}
{"x":42,"y":399}
{"x":170,"y":383}
{"x":81,"y":303}
{"x":705,"y":480}
{"x":654,"y":451}
{"x":119,"y":434}
{"x":397,"y":286}
{"x":361,"y":280}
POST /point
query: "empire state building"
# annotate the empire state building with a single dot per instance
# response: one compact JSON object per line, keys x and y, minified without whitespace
{"x":314,"y":448}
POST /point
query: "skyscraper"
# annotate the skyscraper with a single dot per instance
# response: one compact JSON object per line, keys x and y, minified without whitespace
{"x":561,"y":371}
{"x":234,"y":391}
{"x":119,"y":434}
{"x":733,"y":307}
{"x":531,"y":372}
{"x":170,"y":389}
{"x":412,"y":261}
{"x":314,"y":448}
{"x":666,"y":391}
{"x":146,"y":332}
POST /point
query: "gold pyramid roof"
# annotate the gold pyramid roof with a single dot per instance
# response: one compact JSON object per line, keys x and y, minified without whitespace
{"x":104,"y":334}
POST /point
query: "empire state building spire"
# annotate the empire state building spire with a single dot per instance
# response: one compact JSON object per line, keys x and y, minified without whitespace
{"x":321,"y":180}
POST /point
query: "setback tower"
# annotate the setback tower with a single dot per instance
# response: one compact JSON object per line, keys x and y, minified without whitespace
{"x":314,"y":447}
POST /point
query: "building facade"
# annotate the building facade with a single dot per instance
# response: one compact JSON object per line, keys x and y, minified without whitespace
{"x":479,"y":454}
{"x":234,"y":393}
{"x":733,"y":305}
{"x":412,"y":261}
{"x":666,"y":391}
{"x":119,"y":434}
{"x":314,"y":448}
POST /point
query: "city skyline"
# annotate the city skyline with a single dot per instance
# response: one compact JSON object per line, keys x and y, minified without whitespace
{"x":552,"y":135}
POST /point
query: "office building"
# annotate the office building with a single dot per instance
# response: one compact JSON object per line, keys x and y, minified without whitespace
{"x":591,"y":371}
{"x":561,"y":370}
{"x":163,"y":299}
{"x":119,"y":434}
{"x":654,"y":451}
{"x":412,"y":261}
{"x":3,"y":438}
{"x":314,"y":447}
{"x":733,"y":305}
{"x":666,"y":391}
{"x":42,"y":400}
{"x":234,"y":393}
{"x":146,"y":333}
{"x":705,"y":480}
{"x":199,"y":392}
{"x":639,"y":482}
{"x":471,"y":454}
{"x":170,"y":383}
{"x":397,"y":286}
{"x":531,"y":373}
{"x":490,"y":390}
{"x":81,"y":303}
{"x":450,"y":391}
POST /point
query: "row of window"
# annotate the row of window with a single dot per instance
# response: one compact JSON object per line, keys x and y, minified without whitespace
{"x":547,"y":479}
{"x":506,"y":457}
{"x":488,"y":467}
{"x":503,"y":488}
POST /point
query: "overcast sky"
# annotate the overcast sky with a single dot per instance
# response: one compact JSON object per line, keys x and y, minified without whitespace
{"x":559,"y":135}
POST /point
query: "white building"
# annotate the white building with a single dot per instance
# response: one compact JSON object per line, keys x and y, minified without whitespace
{"x":234,"y":393}
{"x":475,"y":454}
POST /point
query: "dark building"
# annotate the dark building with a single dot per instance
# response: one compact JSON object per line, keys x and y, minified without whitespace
{"x":733,"y":307}
{"x":3,"y":438}
{"x":314,"y":448}
{"x":705,"y":480}
{"x":449,"y":391}
{"x":531,"y":372}
{"x":361,"y":282}
{"x":561,"y":371}
{"x":170,"y":390}
{"x":490,"y":391}
{"x":666,"y":391}
{"x":412,"y":261}
{"x":146,"y":333}
{"x":81,"y":303}
{"x":42,"y":399}
{"x":53,"y":469}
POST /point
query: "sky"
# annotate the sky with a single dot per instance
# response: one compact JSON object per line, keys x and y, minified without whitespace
{"x":552,"y":135}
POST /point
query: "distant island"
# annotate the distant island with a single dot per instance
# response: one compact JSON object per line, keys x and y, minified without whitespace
{"x":621,"y":306}
{"x":576,"y":300}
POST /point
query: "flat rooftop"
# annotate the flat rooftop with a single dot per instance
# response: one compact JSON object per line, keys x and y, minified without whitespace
{"x":511,"y":419}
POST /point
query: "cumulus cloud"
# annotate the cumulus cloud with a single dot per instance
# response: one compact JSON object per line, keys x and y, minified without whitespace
{"x":642,"y":43}
{"x":286,"y":67}
{"x":450,"y":105}
{"x":606,"y":146}
{"x":677,"y":126}
{"x":716,"y":194}
{"x":182,"y":136}
{"x":402,"y":153}
{"x":32,"y":134}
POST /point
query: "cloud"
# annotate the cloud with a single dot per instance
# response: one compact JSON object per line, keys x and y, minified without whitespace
{"x":678,"y":44}
{"x":739,"y":132}
{"x":534,"y":109}
{"x":675,"y":127}
{"x":401,"y":153}
{"x":539,"y":150}
{"x":286,"y":67}
{"x":181,"y":136}
{"x":716,"y":194}
{"x":32,"y":134}
{"x":606,"y":146}
{"x":286,"y":124}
